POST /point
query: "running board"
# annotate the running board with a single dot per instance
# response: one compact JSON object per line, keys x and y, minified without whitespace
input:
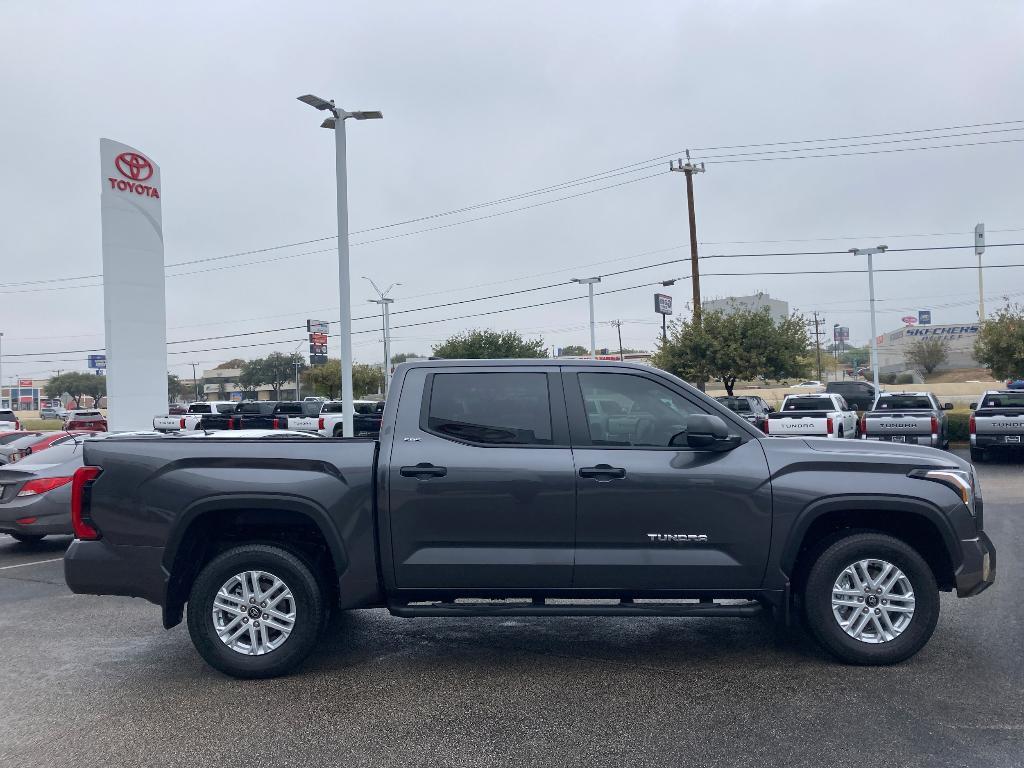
{"x":746,"y":609}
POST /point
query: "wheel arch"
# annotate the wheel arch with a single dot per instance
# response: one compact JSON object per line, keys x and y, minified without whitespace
{"x":914,"y":521}
{"x":206,"y":527}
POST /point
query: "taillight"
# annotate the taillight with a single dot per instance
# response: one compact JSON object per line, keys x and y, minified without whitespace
{"x":80,"y":520}
{"x":829,"y":425}
{"x":320,"y":424}
{"x":280,"y":423}
{"x":935,"y":425}
{"x":42,"y":485}
{"x":181,"y":424}
{"x":864,"y":424}
{"x":972,"y":427}
{"x":764,"y":425}
{"x":17,"y":424}
{"x":231,"y":423}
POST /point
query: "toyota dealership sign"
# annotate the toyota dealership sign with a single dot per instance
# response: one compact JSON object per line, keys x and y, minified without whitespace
{"x":132,"y":171}
{"x":133,"y":286}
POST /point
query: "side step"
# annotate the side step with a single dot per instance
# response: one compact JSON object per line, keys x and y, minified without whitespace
{"x":739,"y":609}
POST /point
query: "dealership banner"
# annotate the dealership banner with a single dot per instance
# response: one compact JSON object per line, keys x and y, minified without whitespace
{"x":134,"y":310}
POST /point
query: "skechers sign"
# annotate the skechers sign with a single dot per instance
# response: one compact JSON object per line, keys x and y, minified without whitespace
{"x":947,"y":331}
{"x":135,"y":169}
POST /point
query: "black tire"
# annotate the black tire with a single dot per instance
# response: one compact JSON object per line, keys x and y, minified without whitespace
{"x":818,"y":599}
{"x":310,"y":612}
{"x":339,"y":430}
{"x":28,"y":538}
{"x":977,"y":455}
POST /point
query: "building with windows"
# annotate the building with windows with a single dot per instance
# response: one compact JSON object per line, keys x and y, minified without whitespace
{"x":778,"y":309}
{"x":222,"y":384}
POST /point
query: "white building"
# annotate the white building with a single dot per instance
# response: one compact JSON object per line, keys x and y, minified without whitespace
{"x":959,"y":338}
{"x":779,"y":309}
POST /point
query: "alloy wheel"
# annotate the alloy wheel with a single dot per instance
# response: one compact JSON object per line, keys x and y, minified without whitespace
{"x":254,"y":612}
{"x":873,"y":601}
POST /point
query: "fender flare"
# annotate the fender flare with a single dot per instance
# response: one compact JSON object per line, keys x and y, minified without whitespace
{"x":233,"y":502}
{"x":869,"y":502}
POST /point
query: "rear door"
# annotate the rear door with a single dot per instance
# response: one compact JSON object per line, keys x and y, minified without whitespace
{"x":481,"y":480}
{"x":653,"y":513}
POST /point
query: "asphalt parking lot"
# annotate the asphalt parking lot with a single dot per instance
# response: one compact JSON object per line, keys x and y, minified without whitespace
{"x":90,"y":681}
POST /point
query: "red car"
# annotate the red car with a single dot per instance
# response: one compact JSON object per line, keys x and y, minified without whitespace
{"x":89,"y":421}
{"x":38,"y":441}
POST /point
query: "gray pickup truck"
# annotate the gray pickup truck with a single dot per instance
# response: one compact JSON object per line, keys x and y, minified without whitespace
{"x":497,"y":489}
{"x":907,"y":417}
{"x":997,"y":423}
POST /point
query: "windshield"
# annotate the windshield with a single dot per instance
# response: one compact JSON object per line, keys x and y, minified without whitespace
{"x":1004,"y":400}
{"x":200,"y":408}
{"x":903,"y":403}
{"x":10,"y":437}
{"x":737,"y":404}
{"x":808,"y":404}
{"x":56,"y":454}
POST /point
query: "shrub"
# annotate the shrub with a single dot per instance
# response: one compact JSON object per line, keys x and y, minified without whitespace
{"x":958,"y":431}
{"x":887,"y":378}
{"x":904,"y":378}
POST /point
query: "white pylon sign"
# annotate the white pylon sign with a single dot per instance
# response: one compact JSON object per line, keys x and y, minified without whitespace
{"x":134,"y":306}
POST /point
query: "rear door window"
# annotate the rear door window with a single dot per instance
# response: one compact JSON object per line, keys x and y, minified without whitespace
{"x":491,"y":408}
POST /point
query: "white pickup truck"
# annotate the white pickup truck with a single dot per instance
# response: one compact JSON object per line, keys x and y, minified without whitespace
{"x":9,"y":421}
{"x":190,"y":420}
{"x":365,"y":423}
{"x":997,"y":423}
{"x":818,"y":415}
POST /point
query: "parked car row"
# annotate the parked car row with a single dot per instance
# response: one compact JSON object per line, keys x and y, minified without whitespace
{"x":323,"y":417}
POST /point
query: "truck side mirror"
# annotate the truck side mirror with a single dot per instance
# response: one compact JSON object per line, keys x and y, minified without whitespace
{"x":974,"y":406}
{"x":947,"y":407}
{"x":710,"y":432}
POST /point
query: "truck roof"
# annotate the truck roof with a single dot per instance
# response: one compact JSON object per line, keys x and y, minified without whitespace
{"x":532,"y":362}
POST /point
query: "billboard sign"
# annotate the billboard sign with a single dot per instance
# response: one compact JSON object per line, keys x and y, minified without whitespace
{"x":663,"y":304}
{"x":318,"y":338}
{"x":134,"y":309}
{"x":317,"y":326}
{"x":840,"y":333}
{"x":97,"y":361}
{"x":25,"y":383}
{"x":909,"y":320}
{"x":924,"y":317}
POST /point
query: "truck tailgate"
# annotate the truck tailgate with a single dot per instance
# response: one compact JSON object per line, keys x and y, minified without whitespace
{"x":304,"y":423}
{"x":798,"y":424}
{"x":1006,"y":423}
{"x":896,"y":425}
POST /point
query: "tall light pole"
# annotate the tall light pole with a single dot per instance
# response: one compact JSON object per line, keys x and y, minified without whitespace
{"x":337,"y":123}
{"x":870,"y":252}
{"x":979,"y":249}
{"x":385,"y":311}
{"x":2,"y":368}
{"x":589,"y":282}
{"x":195,"y":381}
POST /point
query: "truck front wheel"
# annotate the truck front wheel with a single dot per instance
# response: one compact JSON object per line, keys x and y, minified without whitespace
{"x":255,"y":611}
{"x":871,"y":599}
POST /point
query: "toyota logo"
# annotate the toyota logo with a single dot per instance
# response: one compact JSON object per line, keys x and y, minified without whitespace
{"x":133,"y":166}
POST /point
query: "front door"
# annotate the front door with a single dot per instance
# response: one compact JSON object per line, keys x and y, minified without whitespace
{"x":654,"y":513}
{"x":481,"y":481}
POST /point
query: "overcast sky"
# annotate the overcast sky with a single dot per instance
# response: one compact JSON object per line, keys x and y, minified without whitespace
{"x":485,"y":100}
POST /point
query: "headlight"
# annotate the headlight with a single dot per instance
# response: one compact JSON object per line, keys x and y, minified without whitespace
{"x":963,"y":482}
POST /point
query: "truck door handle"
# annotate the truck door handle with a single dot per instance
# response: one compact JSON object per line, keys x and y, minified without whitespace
{"x":603,"y":472}
{"x":424,"y":470}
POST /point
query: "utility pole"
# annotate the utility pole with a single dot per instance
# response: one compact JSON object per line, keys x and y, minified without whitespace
{"x":589,"y":282}
{"x":385,"y":311}
{"x":195,"y":381}
{"x":870,"y":252}
{"x":689,"y":169}
{"x":2,"y":369}
{"x":979,"y":249}
{"x":618,"y":327}
{"x":817,"y":340}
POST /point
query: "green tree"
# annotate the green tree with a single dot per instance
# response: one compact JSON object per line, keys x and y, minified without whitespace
{"x":574,"y":350}
{"x":325,"y":380}
{"x":273,"y":371}
{"x":927,"y":353}
{"x":236,"y":362}
{"x":1000,"y":344}
{"x":489,"y":345}
{"x":401,"y":357}
{"x":741,"y":345}
{"x":178,"y":389}
{"x":77,"y":384}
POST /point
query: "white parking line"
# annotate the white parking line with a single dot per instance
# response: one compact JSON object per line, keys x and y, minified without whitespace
{"x":35,"y":562}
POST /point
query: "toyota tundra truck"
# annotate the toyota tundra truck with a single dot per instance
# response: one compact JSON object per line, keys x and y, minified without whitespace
{"x":192,"y":417}
{"x":997,"y":423}
{"x":824,"y":415}
{"x":907,"y":417}
{"x":497,"y":490}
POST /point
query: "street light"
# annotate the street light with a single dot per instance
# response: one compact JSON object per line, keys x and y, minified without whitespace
{"x":385,"y":309}
{"x":870,"y":252}
{"x":337,"y":123}
{"x":589,"y":282}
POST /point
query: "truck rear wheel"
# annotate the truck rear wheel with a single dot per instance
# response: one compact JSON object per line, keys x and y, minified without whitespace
{"x":977,"y":454}
{"x":255,"y":611}
{"x":871,"y":599}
